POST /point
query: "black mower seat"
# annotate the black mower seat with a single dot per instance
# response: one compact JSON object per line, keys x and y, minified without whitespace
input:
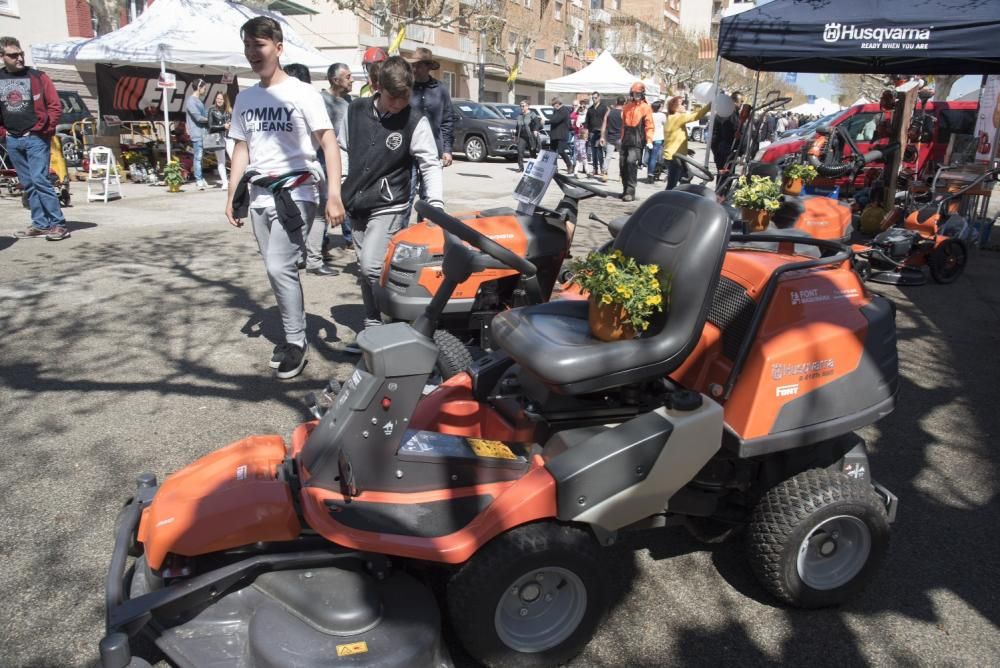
{"x":699,"y":189}
{"x":686,"y":236}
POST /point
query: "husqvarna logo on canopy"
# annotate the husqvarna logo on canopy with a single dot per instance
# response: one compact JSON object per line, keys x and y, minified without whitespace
{"x":876,"y":38}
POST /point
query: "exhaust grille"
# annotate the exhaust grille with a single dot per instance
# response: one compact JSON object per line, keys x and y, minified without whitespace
{"x":731,"y":311}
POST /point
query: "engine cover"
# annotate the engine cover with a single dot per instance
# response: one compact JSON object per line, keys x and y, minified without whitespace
{"x":896,"y":242}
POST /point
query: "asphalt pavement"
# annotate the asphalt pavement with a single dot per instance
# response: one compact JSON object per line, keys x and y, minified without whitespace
{"x":141,"y":343}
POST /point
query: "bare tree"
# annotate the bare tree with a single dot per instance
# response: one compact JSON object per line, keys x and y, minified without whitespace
{"x":943,"y":84}
{"x":511,"y":32}
{"x":391,"y":15}
{"x":107,"y":13}
{"x":854,"y":86}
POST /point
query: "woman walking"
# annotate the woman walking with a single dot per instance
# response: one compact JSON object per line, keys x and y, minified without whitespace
{"x":675,"y":139}
{"x":197,"y":127}
{"x":219,"y":117}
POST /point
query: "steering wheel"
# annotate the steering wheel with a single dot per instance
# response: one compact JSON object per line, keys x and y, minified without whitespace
{"x":698,"y":170}
{"x":474,"y":238}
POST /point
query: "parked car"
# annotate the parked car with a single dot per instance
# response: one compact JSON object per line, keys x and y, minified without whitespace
{"x":73,"y":109}
{"x":949,"y":118}
{"x":698,"y":130}
{"x":481,"y":132}
{"x":546,"y":112}
{"x":512,"y":112}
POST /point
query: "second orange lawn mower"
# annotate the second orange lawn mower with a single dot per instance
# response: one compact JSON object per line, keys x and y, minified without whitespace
{"x":413,"y":270}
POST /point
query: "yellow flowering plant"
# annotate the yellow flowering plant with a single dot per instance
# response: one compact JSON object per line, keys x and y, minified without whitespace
{"x":760,"y":192}
{"x":613,"y":278}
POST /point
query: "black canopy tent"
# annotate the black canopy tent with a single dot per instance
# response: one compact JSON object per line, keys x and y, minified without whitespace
{"x":866,"y":36}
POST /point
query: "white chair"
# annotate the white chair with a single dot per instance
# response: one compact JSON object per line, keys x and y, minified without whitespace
{"x":103,"y":169}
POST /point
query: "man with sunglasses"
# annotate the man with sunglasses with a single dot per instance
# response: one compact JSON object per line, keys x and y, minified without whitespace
{"x":29,"y":113}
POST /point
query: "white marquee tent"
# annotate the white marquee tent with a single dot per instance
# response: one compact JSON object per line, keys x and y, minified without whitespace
{"x":605,"y":75}
{"x":198,"y":36}
{"x":189,"y":35}
{"x":821,"y":107}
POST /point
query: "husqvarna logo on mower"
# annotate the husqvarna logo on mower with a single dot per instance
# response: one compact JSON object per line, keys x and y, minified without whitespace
{"x":779,"y":371}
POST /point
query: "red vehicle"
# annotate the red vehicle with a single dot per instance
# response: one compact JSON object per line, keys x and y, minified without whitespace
{"x":948,"y":118}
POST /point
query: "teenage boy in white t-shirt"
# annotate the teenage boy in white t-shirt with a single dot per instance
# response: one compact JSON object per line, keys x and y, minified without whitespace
{"x":277,"y":125}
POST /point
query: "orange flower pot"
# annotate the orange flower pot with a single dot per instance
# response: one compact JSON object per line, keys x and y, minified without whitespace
{"x":609,"y":322}
{"x":792,"y":187}
{"x":756,"y":219}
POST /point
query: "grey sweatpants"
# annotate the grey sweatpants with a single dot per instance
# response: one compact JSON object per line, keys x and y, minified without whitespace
{"x":371,"y":240}
{"x":281,"y":251}
{"x":314,"y":240}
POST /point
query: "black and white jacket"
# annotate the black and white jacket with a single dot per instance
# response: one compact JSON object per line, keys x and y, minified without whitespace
{"x":382,"y":150}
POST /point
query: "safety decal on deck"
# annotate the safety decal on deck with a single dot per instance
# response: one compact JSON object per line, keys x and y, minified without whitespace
{"x":494,"y":449}
{"x":352,"y":648}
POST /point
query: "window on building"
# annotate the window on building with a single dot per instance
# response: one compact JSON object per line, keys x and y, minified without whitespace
{"x":512,"y":41}
{"x":540,"y":54}
{"x":557,"y":12}
{"x":135,"y":8}
{"x":9,"y":8}
{"x":527,"y":4}
{"x":597,"y":4}
{"x":449,"y":81}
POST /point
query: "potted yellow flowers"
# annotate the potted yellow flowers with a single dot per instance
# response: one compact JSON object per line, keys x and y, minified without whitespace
{"x":758,"y":197}
{"x":623,"y":294}
{"x":795,"y":176}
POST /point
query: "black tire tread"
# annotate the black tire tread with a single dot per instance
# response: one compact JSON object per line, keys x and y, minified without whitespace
{"x":453,"y":357}
{"x":785,"y":507}
{"x":936,"y":261}
{"x":466,"y":590}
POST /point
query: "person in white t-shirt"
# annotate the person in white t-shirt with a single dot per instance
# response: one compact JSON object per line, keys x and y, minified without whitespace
{"x":277,"y":126}
{"x":655,"y":153}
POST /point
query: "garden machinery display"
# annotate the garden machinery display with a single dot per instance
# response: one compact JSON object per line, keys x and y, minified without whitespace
{"x":736,"y":408}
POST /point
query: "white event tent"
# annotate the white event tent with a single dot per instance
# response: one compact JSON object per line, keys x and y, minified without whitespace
{"x":605,"y":75}
{"x":197,"y":36}
{"x":821,"y":107}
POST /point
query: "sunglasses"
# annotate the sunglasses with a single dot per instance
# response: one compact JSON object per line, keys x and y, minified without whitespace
{"x":17,"y":55}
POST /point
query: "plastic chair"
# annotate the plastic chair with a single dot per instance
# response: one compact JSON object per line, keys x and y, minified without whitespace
{"x":103,"y":169}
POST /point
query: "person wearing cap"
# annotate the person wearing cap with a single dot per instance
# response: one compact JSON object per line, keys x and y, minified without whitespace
{"x":431,"y":99}
{"x":637,"y":132}
{"x":373,"y":57}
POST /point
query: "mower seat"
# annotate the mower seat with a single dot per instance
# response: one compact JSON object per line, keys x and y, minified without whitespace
{"x":686,"y":236}
{"x":699,"y":189}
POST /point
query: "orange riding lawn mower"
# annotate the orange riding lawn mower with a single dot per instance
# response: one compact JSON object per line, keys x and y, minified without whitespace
{"x":736,"y":408}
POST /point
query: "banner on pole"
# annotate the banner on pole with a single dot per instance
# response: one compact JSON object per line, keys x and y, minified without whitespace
{"x":706,"y":48}
{"x":135,"y":94}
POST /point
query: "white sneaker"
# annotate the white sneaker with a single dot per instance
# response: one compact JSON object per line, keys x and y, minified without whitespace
{"x":202,"y":185}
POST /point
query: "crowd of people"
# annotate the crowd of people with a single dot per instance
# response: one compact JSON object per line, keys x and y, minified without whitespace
{"x":357,"y":162}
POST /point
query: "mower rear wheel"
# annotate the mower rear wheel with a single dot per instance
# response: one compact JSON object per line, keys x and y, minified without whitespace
{"x":816,"y":539}
{"x":453,"y":357}
{"x":532,"y":597}
{"x":947,"y":261}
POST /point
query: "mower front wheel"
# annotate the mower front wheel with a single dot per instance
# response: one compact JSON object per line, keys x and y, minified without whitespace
{"x":532,"y":597}
{"x":947,"y":261}
{"x":453,"y":357}
{"x":816,"y":539}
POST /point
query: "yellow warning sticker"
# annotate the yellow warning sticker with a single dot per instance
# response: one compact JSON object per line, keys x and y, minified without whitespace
{"x":352,"y":648}
{"x":495,"y":449}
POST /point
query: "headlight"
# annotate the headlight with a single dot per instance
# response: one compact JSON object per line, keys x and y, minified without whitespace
{"x":406,"y":252}
{"x":500,"y":130}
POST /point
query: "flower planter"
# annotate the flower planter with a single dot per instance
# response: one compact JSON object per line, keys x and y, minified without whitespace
{"x":792,"y":187}
{"x":756,"y":220}
{"x":173,"y":188}
{"x":609,"y":322}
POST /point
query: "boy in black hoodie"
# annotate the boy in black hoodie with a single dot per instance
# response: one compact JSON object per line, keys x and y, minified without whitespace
{"x":386,"y":139}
